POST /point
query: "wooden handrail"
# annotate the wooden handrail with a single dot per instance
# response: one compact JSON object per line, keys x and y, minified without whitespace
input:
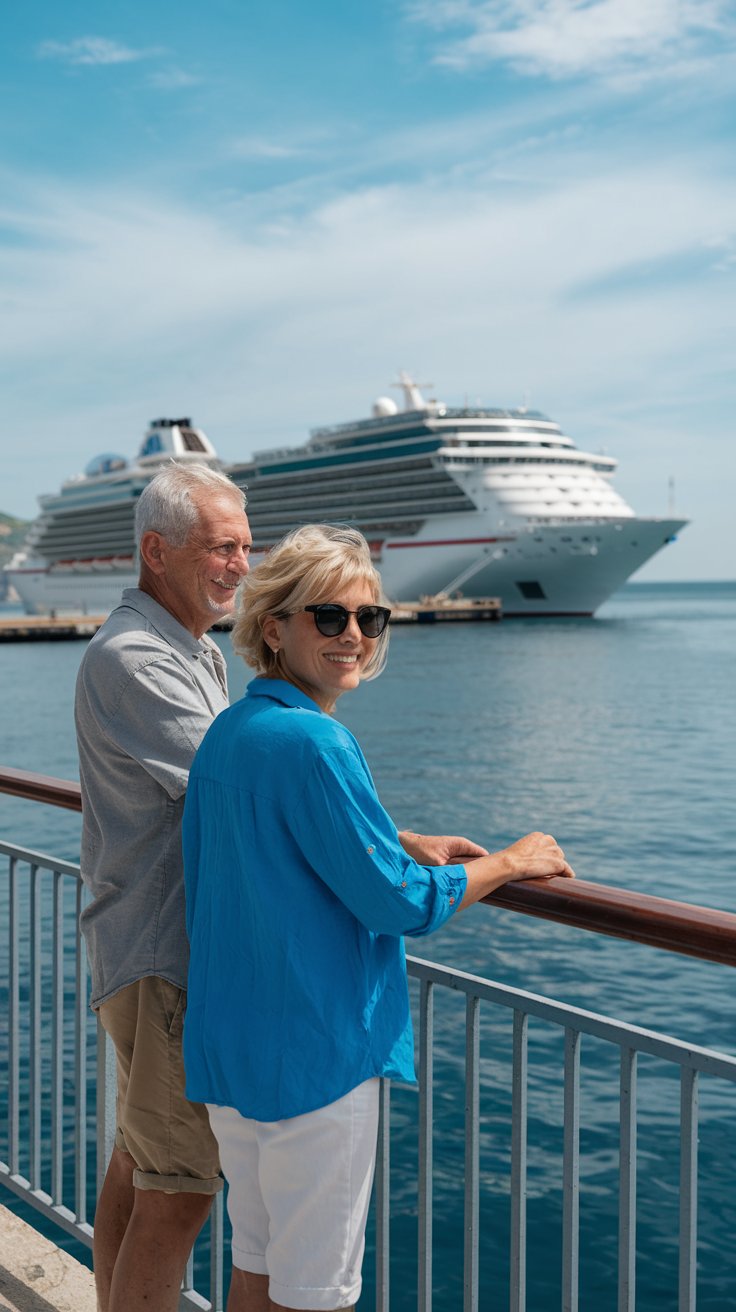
{"x":682,"y":927}
{"x":41,"y":788}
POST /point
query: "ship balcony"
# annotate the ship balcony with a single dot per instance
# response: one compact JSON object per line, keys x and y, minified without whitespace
{"x":57,"y":1125}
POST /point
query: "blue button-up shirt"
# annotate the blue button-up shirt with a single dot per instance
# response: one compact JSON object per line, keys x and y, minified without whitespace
{"x":298,"y":892}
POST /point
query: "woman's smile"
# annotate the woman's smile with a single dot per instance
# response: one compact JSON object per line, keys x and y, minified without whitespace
{"x":324,"y":667}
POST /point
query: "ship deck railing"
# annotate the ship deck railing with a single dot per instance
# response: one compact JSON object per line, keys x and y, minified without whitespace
{"x":60,"y":1076}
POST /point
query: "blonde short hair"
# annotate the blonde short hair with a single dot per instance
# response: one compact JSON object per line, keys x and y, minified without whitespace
{"x":308,"y":566}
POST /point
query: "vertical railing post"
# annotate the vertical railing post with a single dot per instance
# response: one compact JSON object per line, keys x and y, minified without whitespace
{"x":57,"y":1041}
{"x":426,"y":1105}
{"x":472,"y":1154}
{"x":688,"y":1188}
{"x":187,"y":1284}
{"x":13,"y":1020}
{"x":383,"y":1172}
{"x":571,"y":1174}
{"x":34,"y":1035}
{"x":519,"y":1095}
{"x":627,"y":1183}
{"x":217,"y":1251}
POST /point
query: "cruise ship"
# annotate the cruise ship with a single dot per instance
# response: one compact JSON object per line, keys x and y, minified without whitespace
{"x":469,"y":501}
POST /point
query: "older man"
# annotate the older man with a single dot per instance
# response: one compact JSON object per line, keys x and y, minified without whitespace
{"x":148,"y":688}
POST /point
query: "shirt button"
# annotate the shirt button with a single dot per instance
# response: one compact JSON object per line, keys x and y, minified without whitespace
{"x":369,"y":850}
{"x":403,"y":884}
{"x":452,"y":901}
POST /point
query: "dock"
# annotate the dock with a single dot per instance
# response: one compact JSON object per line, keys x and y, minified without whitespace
{"x":440,"y":609}
{"x":428,"y":610}
{"x":49,"y":628}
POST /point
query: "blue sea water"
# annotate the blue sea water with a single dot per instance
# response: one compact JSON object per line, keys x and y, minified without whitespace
{"x":616,"y":734}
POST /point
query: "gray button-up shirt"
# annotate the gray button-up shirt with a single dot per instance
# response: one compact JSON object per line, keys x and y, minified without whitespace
{"x":147,"y":691}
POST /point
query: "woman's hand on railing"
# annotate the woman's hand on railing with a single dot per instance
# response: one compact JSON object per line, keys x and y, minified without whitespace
{"x":535,"y":856}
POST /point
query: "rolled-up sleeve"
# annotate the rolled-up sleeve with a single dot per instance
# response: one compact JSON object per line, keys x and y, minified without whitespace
{"x":352,"y":844}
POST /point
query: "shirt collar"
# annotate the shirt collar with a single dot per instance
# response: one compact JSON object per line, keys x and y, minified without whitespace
{"x":165,"y":623}
{"x":280,"y":690}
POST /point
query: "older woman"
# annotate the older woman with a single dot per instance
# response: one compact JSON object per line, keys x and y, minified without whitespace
{"x":299,"y":891}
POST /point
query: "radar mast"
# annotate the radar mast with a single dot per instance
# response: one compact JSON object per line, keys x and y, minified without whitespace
{"x":413,"y":399}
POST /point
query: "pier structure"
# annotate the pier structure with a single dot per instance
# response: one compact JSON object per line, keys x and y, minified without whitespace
{"x":48,"y":628}
{"x":60,"y":1053}
{"x":428,"y":610}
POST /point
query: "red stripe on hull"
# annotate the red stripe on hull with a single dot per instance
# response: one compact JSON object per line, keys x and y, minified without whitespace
{"x":446,"y":542}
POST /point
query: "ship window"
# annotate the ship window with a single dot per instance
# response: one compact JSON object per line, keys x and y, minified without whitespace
{"x":531,"y":590}
{"x":151,"y":445}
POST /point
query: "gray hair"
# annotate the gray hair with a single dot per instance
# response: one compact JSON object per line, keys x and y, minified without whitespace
{"x":308,"y":566}
{"x":168,"y":504}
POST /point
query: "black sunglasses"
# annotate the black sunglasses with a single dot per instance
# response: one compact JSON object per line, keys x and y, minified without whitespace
{"x":332,"y":619}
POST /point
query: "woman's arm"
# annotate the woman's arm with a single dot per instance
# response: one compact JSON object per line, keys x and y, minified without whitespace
{"x":350,"y":842}
{"x":439,"y":849}
{"x":532,"y":857}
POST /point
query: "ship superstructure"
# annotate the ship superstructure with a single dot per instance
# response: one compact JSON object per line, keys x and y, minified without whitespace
{"x":469,"y":500}
{"x":80,"y":552}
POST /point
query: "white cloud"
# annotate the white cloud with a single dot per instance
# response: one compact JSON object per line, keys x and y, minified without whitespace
{"x":173,"y":79}
{"x":120,"y":306}
{"x":91,"y":50}
{"x":564,"y":38}
{"x":257,"y":148}
{"x":724,"y":248}
{"x":454,"y":279}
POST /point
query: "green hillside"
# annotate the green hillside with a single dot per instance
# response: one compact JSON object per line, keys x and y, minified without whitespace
{"x":12,"y":533}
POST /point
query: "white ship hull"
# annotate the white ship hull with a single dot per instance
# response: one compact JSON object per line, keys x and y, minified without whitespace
{"x":45,"y":591}
{"x":566,"y":569}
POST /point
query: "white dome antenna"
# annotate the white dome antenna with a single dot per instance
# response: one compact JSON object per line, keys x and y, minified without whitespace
{"x":384,"y":406}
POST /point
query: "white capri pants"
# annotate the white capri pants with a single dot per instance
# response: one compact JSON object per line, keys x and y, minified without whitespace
{"x":298,"y":1198}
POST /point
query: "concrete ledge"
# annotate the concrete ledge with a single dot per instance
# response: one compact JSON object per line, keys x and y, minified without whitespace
{"x":36,"y":1276}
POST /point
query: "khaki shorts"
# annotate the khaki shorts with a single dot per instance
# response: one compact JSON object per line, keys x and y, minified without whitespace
{"x":169,"y":1138}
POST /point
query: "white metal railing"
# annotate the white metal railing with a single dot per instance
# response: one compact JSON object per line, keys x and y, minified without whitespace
{"x":575,"y":1023}
{"x":60,"y":1065}
{"x":60,"y":1119}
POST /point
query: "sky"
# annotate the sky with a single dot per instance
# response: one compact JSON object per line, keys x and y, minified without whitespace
{"x":256,"y":214}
